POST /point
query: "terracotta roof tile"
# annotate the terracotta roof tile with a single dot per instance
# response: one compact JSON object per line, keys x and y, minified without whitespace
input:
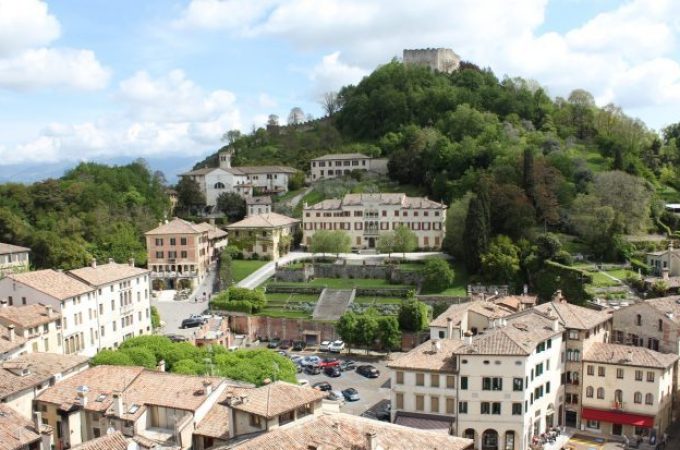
{"x":53,"y":283}
{"x":574,"y":316}
{"x":41,"y":367}
{"x":28,"y":316}
{"x":9,"y":248}
{"x":175,"y":226}
{"x":346,"y":432}
{"x":16,"y":432}
{"x":481,"y":307}
{"x":213,"y":231}
{"x":428,"y":357}
{"x":628,"y":356}
{"x":107,"y":273}
{"x":669,"y":306}
{"x":397,"y":199}
{"x":261,"y":200}
{"x":269,"y":220}
{"x":5,"y":344}
{"x":215,"y":424}
{"x":342,"y":156}
{"x":276,"y":398}
{"x":113,"y":441}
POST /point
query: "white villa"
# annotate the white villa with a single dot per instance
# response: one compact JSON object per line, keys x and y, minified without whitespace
{"x":337,"y":165}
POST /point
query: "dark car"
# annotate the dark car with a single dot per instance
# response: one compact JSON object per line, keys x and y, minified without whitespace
{"x":298,"y":346}
{"x":368,"y":371}
{"x":323,"y":386}
{"x":351,"y":394}
{"x":348,"y":365}
{"x":286,"y":344}
{"x":177,"y":337}
{"x":274,"y":343}
{"x":191,"y":322}
{"x":383,"y":412}
{"x":329,"y":362}
{"x":332,"y":371}
{"x":312,"y":370}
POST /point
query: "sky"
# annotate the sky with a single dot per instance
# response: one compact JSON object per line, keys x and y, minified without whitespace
{"x":101,"y":80}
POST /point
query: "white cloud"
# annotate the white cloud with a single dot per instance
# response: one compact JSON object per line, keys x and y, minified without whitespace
{"x":627,"y":55}
{"x":216,"y":14}
{"x":26,"y":61}
{"x":166,"y":115}
{"x":265,"y":101}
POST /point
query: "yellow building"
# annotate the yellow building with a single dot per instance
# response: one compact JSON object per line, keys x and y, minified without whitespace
{"x":269,"y":235}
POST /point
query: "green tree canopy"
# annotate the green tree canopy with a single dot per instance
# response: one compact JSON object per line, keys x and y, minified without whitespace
{"x":413,"y":315}
{"x":231,"y":205}
{"x":437,"y":275}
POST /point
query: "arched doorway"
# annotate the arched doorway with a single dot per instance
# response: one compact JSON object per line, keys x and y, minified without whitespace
{"x":490,"y":440}
{"x":469,"y":434}
{"x":509,"y":440}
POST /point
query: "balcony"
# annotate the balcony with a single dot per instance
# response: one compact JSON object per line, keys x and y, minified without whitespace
{"x":618,"y":406}
{"x":170,"y":274}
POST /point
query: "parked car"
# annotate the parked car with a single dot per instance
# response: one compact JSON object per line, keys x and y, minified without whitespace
{"x":274,"y":343}
{"x":348,"y":365}
{"x":299,"y":368}
{"x":177,"y":337}
{"x":311,"y":360}
{"x":191,"y":322}
{"x":282,"y":353}
{"x":383,"y":412}
{"x":350,"y":394}
{"x":368,"y":371}
{"x":312,"y":370}
{"x":298,"y":346}
{"x":327,"y":362}
{"x":323,"y":386}
{"x":286,"y":344}
{"x":336,"y":346}
{"x":336,"y":396}
{"x":323,"y":347}
{"x":303,"y":382}
{"x":296,"y":358}
{"x":332,"y":371}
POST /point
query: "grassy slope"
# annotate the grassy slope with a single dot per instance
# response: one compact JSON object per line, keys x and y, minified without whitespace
{"x":241,"y":268}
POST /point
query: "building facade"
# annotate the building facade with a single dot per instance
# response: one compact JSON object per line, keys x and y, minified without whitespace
{"x":38,"y":325}
{"x":665,"y":262}
{"x":439,"y":59}
{"x":269,"y":235}
{"x":627,"y":390}
{"x":258,"y":205}
{"x":341,"y":164}
{"x":13,"y":258}
{"x":245,"y":181}
{"x":365,"y":216}
{"x":181,"y":252}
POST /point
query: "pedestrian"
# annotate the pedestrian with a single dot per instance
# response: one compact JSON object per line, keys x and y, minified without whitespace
{"x":195,"y":299}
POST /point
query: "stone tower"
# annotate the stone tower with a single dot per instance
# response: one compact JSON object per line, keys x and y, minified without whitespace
{"x":225,"y":159}
{"x":440,"y":59}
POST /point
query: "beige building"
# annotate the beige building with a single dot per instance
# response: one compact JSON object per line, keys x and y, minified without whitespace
{"x":269,"y":235}
{"x":159,"y":407}
{"x":474,"y":316}
{"x":13,"y":258}
{"x":11,"y":345}
{"x":340,"y":431}
{"x":258,"y":205}
{"x":665,"y":263}
{"x":627,"y":390}
{"x":38,"y":325}
{"x":25,"y":377}
{"x":20,"y":433}
{"x":113,"y":441}
{"x":180,"y":252}
{"x":584,"y":328}
{"x":365,"y":216}
{"x":340,"y":164}
{"x":500,"y":387}
{"x":654,"y":323}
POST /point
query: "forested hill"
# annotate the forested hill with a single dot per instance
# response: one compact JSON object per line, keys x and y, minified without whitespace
{"x":93,"y":211}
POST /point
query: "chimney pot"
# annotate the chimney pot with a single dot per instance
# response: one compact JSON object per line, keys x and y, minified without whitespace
{"x":371,"y":440}
{"x":37,"y":421}
{"x":93,"y":263}
{"x":161,"y":366}
{"x":131,"y":262}
{"x":111,"y":261}
{"x":10,"y":332}
{"x":3,"y":303}
{"x":449,"y":327}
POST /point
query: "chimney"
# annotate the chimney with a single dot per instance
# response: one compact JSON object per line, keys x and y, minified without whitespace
{"x":131,"y":262}
{"x":93,"y":263}
{"x":111,"y":261}
{"x":3,"y":303}
{"x":449,"y":327}
{"x":207,"y":386}
{"x":117,"y":404}
{"x":664,"y":273}
{"x":468,"y":337}
{"x":435,"y":346}
{"x":37,"y":421}
{"x":160,"y":367}
{"x":371,"y":440}
{"x":82,"y":398}
{"x":556,"y":323}
{"x":629,"y":356}
{"x":48,"y":310}
{"x":10,"y":332}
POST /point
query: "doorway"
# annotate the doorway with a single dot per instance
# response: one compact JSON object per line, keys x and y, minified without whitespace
{"x":371,"y":242}
{"x":571,"y":418}
{"x":617,"y":429}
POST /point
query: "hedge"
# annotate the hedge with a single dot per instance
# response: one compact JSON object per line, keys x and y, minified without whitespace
{"x":234,"y":305}
{"x":638,"y":264}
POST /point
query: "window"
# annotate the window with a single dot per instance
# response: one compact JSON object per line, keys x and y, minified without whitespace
{"x":653,"y":344}
{"x":573,"y":335}
{"x":638,"y":375}
{"x":660,"y":325}
{"x":638,"y":320}
{"x":434,"y":404}
{"x":173,"y":241}
{"x":650,"y":377}
{"x":450,"y":404}
{"x":591,"y":369}
{"x":618,"y":395}
{"x":434,"y":380}
{"x":539,"y":369}
{"x":619,"y":374}
{"x":600,"y":371}
{"x":637,"y":397}
{"x":450,"y":381}
{"x":549,"y":343}
{"x":400,"y":400}
{"x":183,"y":241}
{"x":517,"y":409}
{"x":485,"y":408}
{"x":600,"y":393}
{"x":589,"y":392}
{"x":517,"y":384}
{"x":420,"y":402}
{"x":492,"y":384}
{"x":496,"y":408}
{"x":547,"y":387}
{"x":400,"y":377}
{"x":255,"y":421}
{"x":462,"y":407}
{"x":593,"y":424}
{"x":420,"y":379}
{"x":649,"y":399}
{"x":463,"y":383}
{"x":159,"y":241}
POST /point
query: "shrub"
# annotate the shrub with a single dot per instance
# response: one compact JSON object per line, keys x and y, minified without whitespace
{"x":437,"y":274}
{"x":141,"y":357}
{"x":234,"y":305}
{"x":254,"y":296}
{"x":187,"y":367}
{"x":639,"y":265}
{"x":160,"y":346}
{"x":111,"y":358}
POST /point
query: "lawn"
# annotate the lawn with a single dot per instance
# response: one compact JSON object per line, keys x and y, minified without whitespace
{"x":600,"y":280}
{"x":241,"y":268}
{"x":622,"y":274}
{"x":378,"y":300}
{"x":346,"y":283}
{"x":288,"y":195}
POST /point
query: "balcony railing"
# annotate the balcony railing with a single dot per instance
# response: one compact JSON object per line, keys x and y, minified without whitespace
{"x":371,"y":232}
{"x":170,"y":274}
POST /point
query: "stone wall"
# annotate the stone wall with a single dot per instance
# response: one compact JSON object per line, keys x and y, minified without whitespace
{"x":261,"y":327}
{"x":432,"y":299}
{"x":441,"y":59}
{"x":350,"y":271}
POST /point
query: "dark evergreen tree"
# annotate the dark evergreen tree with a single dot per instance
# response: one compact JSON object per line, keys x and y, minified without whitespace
{"x":476,"y":235}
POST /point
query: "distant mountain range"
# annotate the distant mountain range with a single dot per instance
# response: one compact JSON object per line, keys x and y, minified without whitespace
{"x":31,"y":172}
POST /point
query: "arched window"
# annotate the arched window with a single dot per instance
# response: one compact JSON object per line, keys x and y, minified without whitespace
{"x":490,"y":440}
{"x":618,"y":395}
{"x":509,"y":440}
{"x":469,"y":434}
{"x":219,"y":185}
{"x":638,"y":320}
{"x":589,"y":392}
{"x":649,"y":399}
{"x":600,"y":392}
{"x":637,"y":397}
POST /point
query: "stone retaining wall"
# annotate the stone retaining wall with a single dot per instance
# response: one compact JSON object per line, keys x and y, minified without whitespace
{"x":349,"y":271}
{"x":261,"y":327}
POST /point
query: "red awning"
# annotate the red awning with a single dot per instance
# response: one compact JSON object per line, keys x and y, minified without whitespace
{"x":618,"y":417}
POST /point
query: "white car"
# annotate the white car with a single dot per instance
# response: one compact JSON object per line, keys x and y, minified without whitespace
{"x":311,"y":360}
{"x":336,"y":346}
{"x":323,"y":347}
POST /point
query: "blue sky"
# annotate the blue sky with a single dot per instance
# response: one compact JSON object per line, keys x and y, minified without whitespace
{"x":163,"y":79}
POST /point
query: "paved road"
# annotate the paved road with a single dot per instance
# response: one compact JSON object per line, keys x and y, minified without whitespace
{"x":173,"y":312}
{"x":260,"y":276}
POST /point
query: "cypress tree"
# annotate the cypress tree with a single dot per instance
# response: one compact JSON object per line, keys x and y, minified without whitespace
{"x":476,"y":235}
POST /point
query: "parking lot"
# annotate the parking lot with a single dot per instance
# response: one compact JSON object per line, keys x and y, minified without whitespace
{"x":373,"y":392}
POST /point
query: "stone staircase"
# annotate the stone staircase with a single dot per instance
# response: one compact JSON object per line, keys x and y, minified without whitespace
{"x":333,"y":303}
